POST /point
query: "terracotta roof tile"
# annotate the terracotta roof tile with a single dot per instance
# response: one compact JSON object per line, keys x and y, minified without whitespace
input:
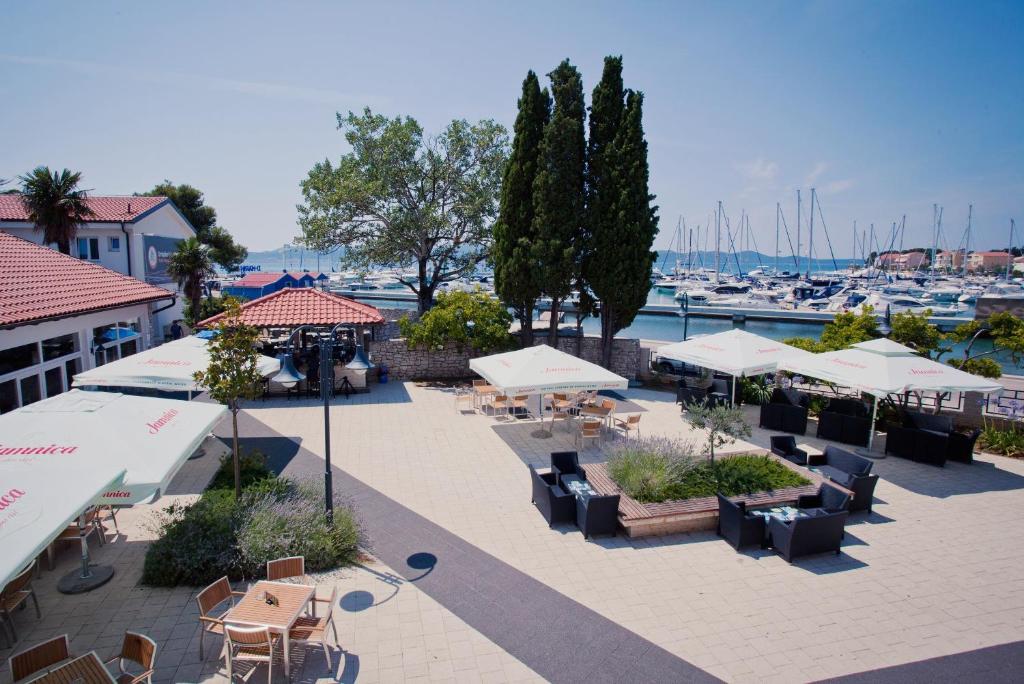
{"x":38,"y":283}
{"x":110,"y":209}
{"x":296,"y":306}
{"x":259,"y":279}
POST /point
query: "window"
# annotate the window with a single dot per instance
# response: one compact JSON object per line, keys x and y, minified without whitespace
{"x":70,"y":370}
{"x":128,"y":348}
{"x":89,"y":248}
{"x":56,"y":347}
{"x":113,"y":244}
{"x":8,"y":396}
{"x":54,"y":381}
{"x":30,"y":390}
{"x":16,"y":358}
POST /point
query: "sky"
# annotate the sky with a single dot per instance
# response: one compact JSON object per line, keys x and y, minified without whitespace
{"x":885,"y":108}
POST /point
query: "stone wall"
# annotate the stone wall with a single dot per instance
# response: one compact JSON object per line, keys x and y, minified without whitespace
{"x":421,"y":364}
{"x":389,"y":330}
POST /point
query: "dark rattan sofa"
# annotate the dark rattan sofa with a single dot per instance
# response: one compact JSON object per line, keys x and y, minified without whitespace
{"x":849,"y":470}
{"x":786,"y":411}
{"x":807,"y":536}
{"x":845,"y":420}
{"x":929,"y":438}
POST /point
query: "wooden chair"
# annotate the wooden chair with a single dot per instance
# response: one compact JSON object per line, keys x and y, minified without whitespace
{"x":72,"y":533}
{"x":589,"y":429}
{"x":208,"y":600}
{"x":286,"y":568}
{"x":631,"y":424}
{"x":250,"y":644}
{"x":500,"y":401}
{"x":519,"y":402}
{"x":463,"y":397}
{"x":562,"y":408}
{"x":313,"y":630}
{"x":14,"y":595}
{"x":38,"y":657}
{"x":139,"y":649}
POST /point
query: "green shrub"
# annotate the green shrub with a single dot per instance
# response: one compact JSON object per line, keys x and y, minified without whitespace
{"x":1009,"y":442}
{"x":755,"y":390}
{"x":653,"y":470}
{"x":253,"y":466}
{"x":461,"y":319}
{"x":218,"y":535}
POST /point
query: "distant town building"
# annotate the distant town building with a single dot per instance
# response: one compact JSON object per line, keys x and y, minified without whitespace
{"x":949,"y":260}
{"x":1018,"y":264}
{"x":909,"y":261}
{"x":131,"y":235}
{"x":987,"y":261}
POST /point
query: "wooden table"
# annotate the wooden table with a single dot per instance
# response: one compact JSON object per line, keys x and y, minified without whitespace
{"x":254,"y":611}
{"x":87,"y":668}
{"x":604,"y":414}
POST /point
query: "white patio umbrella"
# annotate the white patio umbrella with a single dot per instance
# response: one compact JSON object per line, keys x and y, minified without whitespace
{"x":882,"y":367}
{"x":75,"y":432}
{"x":541,"y":370}
{"x":168,"y":367}
{"x":37,"y":503}
{"x":736,"y":352}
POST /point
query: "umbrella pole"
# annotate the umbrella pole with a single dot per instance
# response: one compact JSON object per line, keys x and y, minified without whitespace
{"x":733,"y":402}
{"x":87,"y":577}
{"x":874,"y":415}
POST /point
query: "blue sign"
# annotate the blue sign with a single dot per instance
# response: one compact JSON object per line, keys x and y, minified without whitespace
{"x":249,"y":268}
{"x":156,"y":254}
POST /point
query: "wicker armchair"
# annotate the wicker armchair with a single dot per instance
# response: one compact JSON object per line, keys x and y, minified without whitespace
{"x":828,"y":498}
{"x":785,"y":446}
{"x":738,"y":527}
{"x":554,"y":503}
{"x":597,"y":515}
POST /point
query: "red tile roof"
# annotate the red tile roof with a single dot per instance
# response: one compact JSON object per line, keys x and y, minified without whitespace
{"x":298,"y":274}
{"x":105,"y":209}
{"x":38,"y":283}
{"x":259,"y":279}
{"x":296,"y":306}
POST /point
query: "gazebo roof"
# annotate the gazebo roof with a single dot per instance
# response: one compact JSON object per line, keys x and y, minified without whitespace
{"x":296,"y":306}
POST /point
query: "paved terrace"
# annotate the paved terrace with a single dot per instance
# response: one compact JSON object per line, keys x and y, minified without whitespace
{"x":935,"y":571}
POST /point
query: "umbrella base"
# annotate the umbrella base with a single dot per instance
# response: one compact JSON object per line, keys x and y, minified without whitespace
{"x":74,"y":583}
{"x":873,"y":455}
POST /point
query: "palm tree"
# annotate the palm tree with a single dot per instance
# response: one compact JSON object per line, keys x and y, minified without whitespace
{"x":190,"y":266}
{"x":55,"y":204}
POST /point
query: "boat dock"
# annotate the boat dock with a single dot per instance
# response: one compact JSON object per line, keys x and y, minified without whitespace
{"x":736,"y":314}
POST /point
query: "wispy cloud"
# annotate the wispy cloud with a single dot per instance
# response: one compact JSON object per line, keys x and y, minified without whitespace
{"x":279,"y":91}
{"x":759,"y":169}
{"x":837,"y":186}
{"x":819,"y":168}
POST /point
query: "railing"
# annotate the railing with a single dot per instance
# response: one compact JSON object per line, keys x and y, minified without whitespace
{"x":1009,"y":404}
{"x":952,"y":401}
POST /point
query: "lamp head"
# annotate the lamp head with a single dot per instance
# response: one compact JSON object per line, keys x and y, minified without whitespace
{"x":289,"y":376}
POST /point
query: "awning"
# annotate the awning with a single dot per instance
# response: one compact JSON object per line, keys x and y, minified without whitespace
{"x":736,"y":352}
{"x":542,"y":369}
{"x":38,"y":502}
{"x":168,"y":367}
{"x":78,"y":431}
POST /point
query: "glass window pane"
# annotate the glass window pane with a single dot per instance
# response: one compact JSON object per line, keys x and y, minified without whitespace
{"x":70,"y":370}
{"x":54,"y":381}
{"x":30,"y":390}
{"x":17,"y":358}
{"x":56,"y":347}
{"x":83,"y":248}
{"x":128,"y":348}
{"x":8,"y":396}
{"x":94,"y":248}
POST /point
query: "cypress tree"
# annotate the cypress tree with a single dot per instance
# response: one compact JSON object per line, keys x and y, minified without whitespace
{"x":558,"y":190}
{"x":623,"y":221}
{"x":516,"y":280}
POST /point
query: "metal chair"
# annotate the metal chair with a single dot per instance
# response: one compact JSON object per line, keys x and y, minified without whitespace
{"x":630,"y":425}
{"x":38,"y":657}
{"x":250,"y":644}
{"x":589,"y":429}
{"x":14,"y":595}
{"x":139,"y":649}
{"x":208,"y":600}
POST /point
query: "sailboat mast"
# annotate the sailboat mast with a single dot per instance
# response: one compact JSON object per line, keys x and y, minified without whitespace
{"x":777,"y":210}
{"x":967,"y":240}
{"x":798,"y":251}
{"x":718,"y":238}
{"x":1009,"y":251}
{"x":810,"y":237}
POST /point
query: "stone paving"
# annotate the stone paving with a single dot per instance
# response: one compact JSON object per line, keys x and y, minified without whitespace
{"x":937,"y":569}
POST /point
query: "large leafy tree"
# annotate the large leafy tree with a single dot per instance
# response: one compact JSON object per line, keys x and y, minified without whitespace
{"x":461,"y":319}
{"x":1007,"y":335}
{"x":515,"y":275}
{"x":232,"y":374}
{"x":191,"y":203}
{"x":190,"y":266}
{"x":558,"y":191}
{"x":55,"y":204}
{"x":402,"y":199}
{"x":847,"y":328}
{"x":622,"y":222}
